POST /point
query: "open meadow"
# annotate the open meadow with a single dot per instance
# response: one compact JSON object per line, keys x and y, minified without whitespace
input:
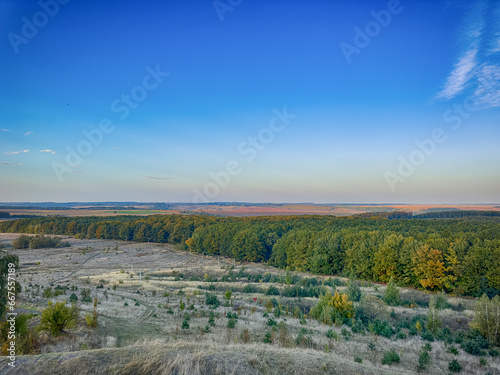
{"x":167,"y":311}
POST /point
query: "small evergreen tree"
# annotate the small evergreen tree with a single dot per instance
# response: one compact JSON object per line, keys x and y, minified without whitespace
{"x":392,"y":293}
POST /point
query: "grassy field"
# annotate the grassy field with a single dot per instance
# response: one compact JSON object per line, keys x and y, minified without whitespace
{"x":155,"y":317}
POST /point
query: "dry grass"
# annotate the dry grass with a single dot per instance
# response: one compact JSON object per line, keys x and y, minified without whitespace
{"x":191,"y":351}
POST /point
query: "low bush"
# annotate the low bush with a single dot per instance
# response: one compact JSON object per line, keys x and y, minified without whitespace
{"x":454,"y":366}
{"x":57,"y":317}
{"x":272,"y":291}
{"x":390,"y":357}
{"x":212,"y":300}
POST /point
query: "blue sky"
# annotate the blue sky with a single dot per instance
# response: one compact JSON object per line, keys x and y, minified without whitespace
{"x":354,"y":123}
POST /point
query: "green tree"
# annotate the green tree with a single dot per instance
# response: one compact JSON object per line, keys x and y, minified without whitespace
{"x":391,"y":295}
{"x":487,"y":318}
{"x":433,"y":319}
{"x":57,"y":317}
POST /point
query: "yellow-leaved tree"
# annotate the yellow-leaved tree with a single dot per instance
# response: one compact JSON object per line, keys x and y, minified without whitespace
{"x":333,"y":309}
{"x":428,"y":265}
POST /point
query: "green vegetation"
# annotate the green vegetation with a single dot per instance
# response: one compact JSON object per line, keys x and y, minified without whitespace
{"x":57,"y":317}
{"x":455,"y":255}
{"x":37,"y":242}
{"x":390,"y":357}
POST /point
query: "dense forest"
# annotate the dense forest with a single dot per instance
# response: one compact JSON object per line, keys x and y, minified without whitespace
{"x":461,"y":256}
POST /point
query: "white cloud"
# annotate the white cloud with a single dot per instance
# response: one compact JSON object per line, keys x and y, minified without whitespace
{"x":460,"y":75}
{"x":487,"y":92}
{"x":5,"y":130}
{"x":16,"y":152}
{"x":28,"y":133}
{"x":48,"y":150}
{"x":478,"y":68}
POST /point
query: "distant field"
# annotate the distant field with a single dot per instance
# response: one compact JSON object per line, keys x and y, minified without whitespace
{"x":238,"y":210}
{"x":137,"y":212}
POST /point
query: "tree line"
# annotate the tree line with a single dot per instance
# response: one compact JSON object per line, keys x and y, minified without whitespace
{"x":455,"y":255}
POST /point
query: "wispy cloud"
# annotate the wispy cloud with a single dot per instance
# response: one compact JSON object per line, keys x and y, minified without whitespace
{"x":460,"y":75}
{"x":5,"y":163}
{"x":5,"y":130}
{"x":117,"y":148}
{"x":48,"y":150}
{"x":16,"y":152}
{"x":28,"y":133}
{"x":158,"y":178}
{"x":477,"y":70}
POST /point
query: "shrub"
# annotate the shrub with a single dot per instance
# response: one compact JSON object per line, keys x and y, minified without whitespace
{"x":427,"y":347}
{"x":271,"y":322}
{"x":303,"y":340}
{"x":474,"y":343}
{"x":92,"y":319}
{"x":57,"y":317}
{"x":358,"y":359}
{"x":472,"y":347}
{"x":283,"y":338}
{"x":487,"y":318}
{"x":73,"y":298}
{"x":227,"y":295}
{"x":245,"y":336}
{"x":211,"y":319}
{"x":268,"y":338}
{"x":402,"y":336}
{"x":85,"y":293}
{"x":212,"y":300}
{"x":231,"y":323}
{"x":37,"y":242}
{"x":185,"y":324}
{"x":272,"y":291}
{"x":370,"y":308}
{"x":250,"y":288}
{"x":332,"y":335}
{"x":453,"y":350}
{"x":390,"y":357}
{"x":382,"y":328}
{"x":428,"y":336}
{"x":47,"y":292}
{"x":333,"y":308}
{"x":423,"y":360}
{"x":391,"y":295}
{"x":454,"y":366}
{"x":353,"y":290}
{"x":433,"y":319}
{"x":442,"y":301}
{"x":21,"y":242}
